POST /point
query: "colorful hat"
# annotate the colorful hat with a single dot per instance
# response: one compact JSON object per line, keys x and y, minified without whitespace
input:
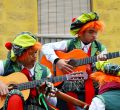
{"x":22,"y":41}
{"x":106,"y":72}
{"x":82,"y":20}
{"x":108,"y":68}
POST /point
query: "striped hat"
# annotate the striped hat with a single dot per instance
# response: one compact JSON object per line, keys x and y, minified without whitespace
{"x":81,"y":21}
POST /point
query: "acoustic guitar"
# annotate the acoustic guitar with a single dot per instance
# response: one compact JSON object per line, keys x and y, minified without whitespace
{"x":78,"y":58}
{"x":19,"y":81}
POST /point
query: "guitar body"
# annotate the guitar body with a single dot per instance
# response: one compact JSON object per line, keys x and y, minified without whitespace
{"x":14,"y":78}
{"x":19,"y":81}
{"x":76,"y":54}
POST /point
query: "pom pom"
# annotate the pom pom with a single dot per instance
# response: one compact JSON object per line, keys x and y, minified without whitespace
{"x":73,"y":20}
{"x":8,"y":45}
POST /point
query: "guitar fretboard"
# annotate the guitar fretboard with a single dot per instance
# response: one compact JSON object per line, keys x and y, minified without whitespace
{"x":32,"y":84}
{"x":94,"y":58}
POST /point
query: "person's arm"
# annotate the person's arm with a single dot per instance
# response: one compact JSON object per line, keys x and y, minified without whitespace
{"x":1,"y":68}
{"x":3,"y":87}
{"x":49,"y":49}
{"x":97,"y":104}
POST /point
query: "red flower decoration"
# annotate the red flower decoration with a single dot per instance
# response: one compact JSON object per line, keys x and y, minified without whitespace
{"x":8,"y":45}
{"x":73,"y":20}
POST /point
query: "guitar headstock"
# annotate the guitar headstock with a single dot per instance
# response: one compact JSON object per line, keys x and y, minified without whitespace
{"x":77,"y":75}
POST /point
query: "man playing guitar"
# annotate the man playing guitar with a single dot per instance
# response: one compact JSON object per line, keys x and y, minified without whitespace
{"x":22,"y":57}
{"x":86,"y":27}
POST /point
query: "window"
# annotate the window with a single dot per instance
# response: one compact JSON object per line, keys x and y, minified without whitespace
{"x":54,"y":17}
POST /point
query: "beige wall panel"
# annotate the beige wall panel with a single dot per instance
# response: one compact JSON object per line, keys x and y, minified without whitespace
{"x":16,"y":16}
{"x":109,"y":11}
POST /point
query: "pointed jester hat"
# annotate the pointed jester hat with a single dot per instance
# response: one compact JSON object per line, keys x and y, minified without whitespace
{"x":21,"y":42}
{"x":83,"y":19}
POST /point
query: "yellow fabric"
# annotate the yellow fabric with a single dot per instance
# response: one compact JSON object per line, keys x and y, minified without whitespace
{"x":100,"y":65}
{"x":24,"y":40}
{"x":13,"y":57}
{"x":118,"y":73}
{"x":87,"y":17}
{"x":74,"y":32}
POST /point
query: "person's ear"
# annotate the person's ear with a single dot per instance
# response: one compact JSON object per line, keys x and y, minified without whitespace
{"x":79,"y":33}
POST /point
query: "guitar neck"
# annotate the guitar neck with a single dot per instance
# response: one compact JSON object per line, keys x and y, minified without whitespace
{"x":94,"y":58}
{"x":32,"y":84}
{"x":72,"y":100}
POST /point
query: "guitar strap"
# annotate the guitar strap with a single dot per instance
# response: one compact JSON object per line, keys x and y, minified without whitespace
{"x":54,"y":66}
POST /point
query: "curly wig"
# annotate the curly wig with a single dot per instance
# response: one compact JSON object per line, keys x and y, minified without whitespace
{"x":98,"y":25}
{"x":102,"y":78}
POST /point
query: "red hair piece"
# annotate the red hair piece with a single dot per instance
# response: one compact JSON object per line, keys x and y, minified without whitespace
{"x":32,"y":49}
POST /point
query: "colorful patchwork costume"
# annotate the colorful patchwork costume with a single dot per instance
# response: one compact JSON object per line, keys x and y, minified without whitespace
{"x":15,"y":99}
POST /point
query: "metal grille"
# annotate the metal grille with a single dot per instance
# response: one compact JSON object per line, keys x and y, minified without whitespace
{"x":47,"y":38}
{"x":55,"y":15}
{"x":54,"y":18}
